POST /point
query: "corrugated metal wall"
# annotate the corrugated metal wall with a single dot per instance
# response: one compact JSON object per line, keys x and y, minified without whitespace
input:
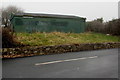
{"x":37,"y":24}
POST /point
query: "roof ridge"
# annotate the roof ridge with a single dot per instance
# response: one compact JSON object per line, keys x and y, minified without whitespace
{"x":47,"y":15}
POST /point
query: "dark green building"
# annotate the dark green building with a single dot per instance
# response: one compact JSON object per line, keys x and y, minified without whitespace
{"x":29,"y":22}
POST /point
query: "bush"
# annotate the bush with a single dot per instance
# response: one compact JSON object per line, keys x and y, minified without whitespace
{"x":111,"y":27}
{"x":95,"y":26}
{"x":8,"y":39}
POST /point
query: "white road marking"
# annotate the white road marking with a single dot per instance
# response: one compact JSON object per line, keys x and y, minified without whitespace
{"x":93,"y":57}
{"x":51,"y":62}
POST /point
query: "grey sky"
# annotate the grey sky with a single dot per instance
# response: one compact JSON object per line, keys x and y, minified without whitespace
{"x":119,"y":9}
{"x":89,"y":10}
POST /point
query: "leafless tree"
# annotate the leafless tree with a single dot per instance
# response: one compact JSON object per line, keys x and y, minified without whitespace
{"x":95,"y":25}
{"x":111,"y":27}
{"x":6,"y":14}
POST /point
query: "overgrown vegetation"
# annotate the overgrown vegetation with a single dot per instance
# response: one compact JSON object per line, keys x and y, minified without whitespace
{"x":8,"y":39}
{"x":58,"y":38}
{"x":112,"y":27}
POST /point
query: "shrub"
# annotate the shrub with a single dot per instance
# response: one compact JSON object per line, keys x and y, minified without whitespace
{"x":112,"y":27}
{"x":8,"y":39}
{"x":95,"y":26}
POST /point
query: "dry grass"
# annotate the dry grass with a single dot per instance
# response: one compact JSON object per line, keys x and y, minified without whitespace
{"x":57,"y":38}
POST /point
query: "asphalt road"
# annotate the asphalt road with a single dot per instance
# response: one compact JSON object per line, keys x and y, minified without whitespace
{"x":84,"y":64}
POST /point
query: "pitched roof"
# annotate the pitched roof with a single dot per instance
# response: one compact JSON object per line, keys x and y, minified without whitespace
{"x":47,"y":15}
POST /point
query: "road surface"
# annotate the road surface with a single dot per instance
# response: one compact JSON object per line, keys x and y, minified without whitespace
{"x":84,"y":64}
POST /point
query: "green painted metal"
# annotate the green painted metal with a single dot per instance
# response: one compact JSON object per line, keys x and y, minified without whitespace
{"x":44,"y":24}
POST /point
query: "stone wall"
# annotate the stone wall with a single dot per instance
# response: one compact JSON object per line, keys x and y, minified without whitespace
{"x":57,"y":49}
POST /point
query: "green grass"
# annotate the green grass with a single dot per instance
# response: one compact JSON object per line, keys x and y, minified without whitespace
{"x":57,"y":38}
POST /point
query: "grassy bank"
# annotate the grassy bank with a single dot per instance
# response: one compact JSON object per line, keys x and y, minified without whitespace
{"x":57,"y":38}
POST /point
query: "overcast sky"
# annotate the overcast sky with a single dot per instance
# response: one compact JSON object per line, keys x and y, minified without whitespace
{"x":89,"y":10}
